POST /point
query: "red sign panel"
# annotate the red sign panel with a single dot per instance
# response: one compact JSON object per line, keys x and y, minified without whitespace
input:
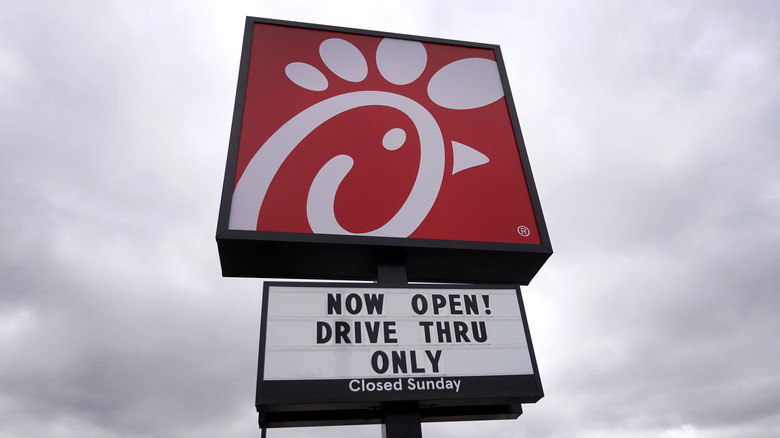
{"x":349,"y":133}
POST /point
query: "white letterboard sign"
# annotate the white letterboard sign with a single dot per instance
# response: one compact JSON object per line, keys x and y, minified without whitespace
{"x":364,"y":344}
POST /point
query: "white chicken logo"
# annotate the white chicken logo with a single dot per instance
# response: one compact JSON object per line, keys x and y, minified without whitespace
{"x":464,"y":84}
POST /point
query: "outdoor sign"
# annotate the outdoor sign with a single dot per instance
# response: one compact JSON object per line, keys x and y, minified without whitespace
{"x":334,"y":353}
{"x":347,"y":144}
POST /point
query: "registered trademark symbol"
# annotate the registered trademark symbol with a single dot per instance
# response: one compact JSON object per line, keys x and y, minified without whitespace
{"x":523,"y":231}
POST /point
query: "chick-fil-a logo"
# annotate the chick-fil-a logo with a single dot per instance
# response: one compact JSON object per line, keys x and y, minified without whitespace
{"x":397,"y":99}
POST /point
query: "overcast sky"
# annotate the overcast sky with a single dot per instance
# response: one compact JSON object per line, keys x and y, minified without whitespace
{"x":652,"y":129}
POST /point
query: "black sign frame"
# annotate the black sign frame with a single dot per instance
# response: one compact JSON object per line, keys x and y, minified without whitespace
{"x":293,"y":403}
{"x":265,"y":254}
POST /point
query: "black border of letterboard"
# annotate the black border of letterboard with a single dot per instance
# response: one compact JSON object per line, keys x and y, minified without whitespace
{"x":290,"y":403}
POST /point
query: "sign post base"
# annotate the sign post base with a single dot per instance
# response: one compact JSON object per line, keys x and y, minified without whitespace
{"x":401,"y":420}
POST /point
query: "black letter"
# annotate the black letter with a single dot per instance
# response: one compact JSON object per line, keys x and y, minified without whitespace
{"x":372,"y":328}
{"x":434,"y":358}
{"x":419,"y":304}
{"x":472,"y":308}
{"x":460,"y":331}
{"x":438,"y":302}
{"x":390,"y":330}
{"x":413,"y":358}
{"x":427,"y":326}
{"x":342,"y":330}
{"x":399,"y":361}
{"x":455,"y":305}
{"x":356,"y":305}
{"x":480,"y":331}
{"x":334,"y":304}
{"x":357,"y":334}
{"x":443,"y":330}
{"x":379,"y":362}
{"x":374,"y":303}
{"x":323,"y":332}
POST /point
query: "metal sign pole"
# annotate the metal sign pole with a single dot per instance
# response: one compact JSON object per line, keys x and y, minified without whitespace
{"x":399,"y":419}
